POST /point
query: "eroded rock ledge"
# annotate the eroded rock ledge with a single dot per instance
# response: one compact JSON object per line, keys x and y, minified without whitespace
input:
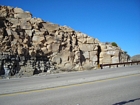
{"x":32,"y":46}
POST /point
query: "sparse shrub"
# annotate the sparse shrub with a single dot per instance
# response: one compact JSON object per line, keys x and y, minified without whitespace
{"x":125,"y":52}
{"x":114,"y":44}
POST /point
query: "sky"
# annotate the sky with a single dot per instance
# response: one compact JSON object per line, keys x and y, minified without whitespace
{"x":107,"y":20}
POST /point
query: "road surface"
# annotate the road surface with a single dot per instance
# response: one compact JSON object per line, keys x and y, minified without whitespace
{"x":119,"y":90}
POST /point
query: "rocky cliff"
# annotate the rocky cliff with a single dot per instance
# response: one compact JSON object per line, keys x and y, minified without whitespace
{"x":38,"y":46}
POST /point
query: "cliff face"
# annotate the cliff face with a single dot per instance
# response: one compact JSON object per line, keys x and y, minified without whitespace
{"x":45,"y":46}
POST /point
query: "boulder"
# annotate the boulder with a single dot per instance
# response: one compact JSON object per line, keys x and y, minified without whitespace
{"x":90,"y":40}
{"x":45,"y":50}
{"x":87,"y":47}
{"x":36,"y":20}
{"x":28,"y":32}
{"x":86,"y":55}
{"x":49,"y":26}
{"x":109,"y":47}
{"x":37,"y":39}
{"x":39,"y":33}
{"x":49,"y":39}
{"x":14,"y":41}
{"x":3,"y":14}
{"x":96,"y":47}
{"x":9,"y":31}
{"x":79,"y":35}
{"x":103,"y":47}
{"x":25,"y":25}
{"x":23,"y":15}
{"x":64,"y":56}
{"x":57,"y":59}
{"x":67,"y":67}
{"x":18,"y":10}
{"x":55,"y":47}
{"x":15,"y":34}
{"x":88,"y":65}
{"x":82,"y":38}
{"x":14,"y":21}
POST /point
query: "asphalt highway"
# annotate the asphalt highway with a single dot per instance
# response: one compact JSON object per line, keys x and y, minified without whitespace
{"x":117,"y":90}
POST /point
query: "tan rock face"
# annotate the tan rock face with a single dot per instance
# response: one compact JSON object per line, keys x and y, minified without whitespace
{"x":18,"y":10}
{"x":106,"y":59}
{"x":90,"y":40}
{"x":87,"y":47}
{"x":111,"y":54}
{"x":58,"y":46}
{"x":23,"y":15}
{"x":115,"y":59}
{"x":25,"y":25}
{"x":57,"y":59}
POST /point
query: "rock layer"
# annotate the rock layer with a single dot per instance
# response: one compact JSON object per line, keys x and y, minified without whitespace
{"x":44,"y":47}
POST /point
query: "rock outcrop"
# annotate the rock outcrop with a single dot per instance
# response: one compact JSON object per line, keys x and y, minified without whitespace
{"x":135,"y":58}
{"x":41,"y":46}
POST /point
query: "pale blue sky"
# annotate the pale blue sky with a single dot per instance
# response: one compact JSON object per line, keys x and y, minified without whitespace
{"x":108,"y":20}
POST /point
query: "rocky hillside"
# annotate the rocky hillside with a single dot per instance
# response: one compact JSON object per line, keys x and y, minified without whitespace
{"x":41,"y":46}
{"x":135,"y":58}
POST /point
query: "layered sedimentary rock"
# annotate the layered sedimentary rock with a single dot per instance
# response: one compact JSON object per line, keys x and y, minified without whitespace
{"x":43,"y":46}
